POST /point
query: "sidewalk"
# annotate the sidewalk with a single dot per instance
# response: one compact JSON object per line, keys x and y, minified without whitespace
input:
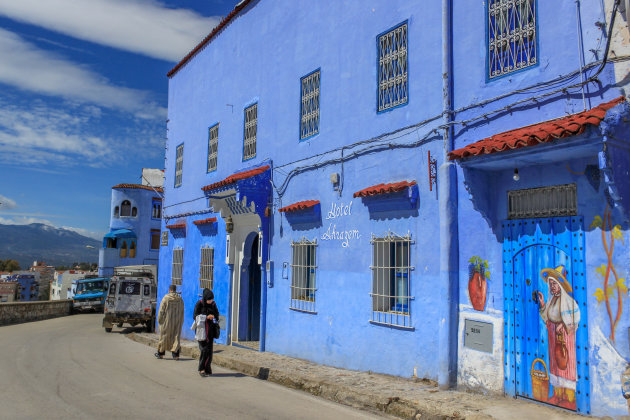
{"x":395,"y":396}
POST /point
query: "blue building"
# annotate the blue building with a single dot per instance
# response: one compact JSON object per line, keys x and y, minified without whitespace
{"x":411,"y":188}
{"x":136,"y":213}
{"x":28,"y":287}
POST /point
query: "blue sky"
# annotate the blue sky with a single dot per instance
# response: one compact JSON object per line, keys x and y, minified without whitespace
{"x":83,"y":99}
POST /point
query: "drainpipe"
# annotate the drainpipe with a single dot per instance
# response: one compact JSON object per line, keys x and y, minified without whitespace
{"x":263,"y":309}
{"x":228,"y":325}
{"x":447,"y":201}
{"x":578,"y":21}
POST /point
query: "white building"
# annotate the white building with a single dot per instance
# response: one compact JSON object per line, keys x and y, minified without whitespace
{"x":61,"y":286}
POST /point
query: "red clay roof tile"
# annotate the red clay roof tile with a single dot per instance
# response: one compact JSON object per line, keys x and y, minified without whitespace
{"x":301,"y":205}
{"x":205,"y":221}
{"x":384,"y":189}
{"x":236,"y":177}
{"x":531,"y":135}
{"x":138,"y":187}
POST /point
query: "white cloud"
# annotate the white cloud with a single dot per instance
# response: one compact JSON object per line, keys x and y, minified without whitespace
{"x":23,"y":220}
{"x":33,"y":69}
{"x":6,"y":203}
{"x":85,"y":232}
{"x":47,"y":136}
{"x":141,"y":26}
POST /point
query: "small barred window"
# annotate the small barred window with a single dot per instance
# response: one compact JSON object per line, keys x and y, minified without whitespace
{"x":206,"y":268}
{"x":179,"y":165}
{"x":178,"y":266}
{"x":213,"y":147}
{"x":303,"y":268}
{"x":309,"y":108}
{"x":554,"y":201}
{"x":393,"y":86}
{"x":391,"y":276}
{"x":511,"y":36}
{"x":251,"y":128}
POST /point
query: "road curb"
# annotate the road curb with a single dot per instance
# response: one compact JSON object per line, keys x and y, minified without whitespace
{"x":345,"y":395}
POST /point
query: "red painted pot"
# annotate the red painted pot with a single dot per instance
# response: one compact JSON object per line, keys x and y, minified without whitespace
{"x":477,"y":291}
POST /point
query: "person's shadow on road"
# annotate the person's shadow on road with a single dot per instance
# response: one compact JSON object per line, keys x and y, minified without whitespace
{"x":227,"y":375}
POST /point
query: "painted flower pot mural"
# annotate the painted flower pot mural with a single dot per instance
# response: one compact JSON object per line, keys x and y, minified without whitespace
{"x":478,"y":275}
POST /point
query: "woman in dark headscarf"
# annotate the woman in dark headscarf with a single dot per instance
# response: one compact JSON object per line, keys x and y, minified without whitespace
{"x":206,"y":306}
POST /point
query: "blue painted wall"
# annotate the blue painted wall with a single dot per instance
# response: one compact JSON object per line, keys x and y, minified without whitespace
{"x":141,"y":225}
{"x":261,"y":56}
{"x":28,"y":287}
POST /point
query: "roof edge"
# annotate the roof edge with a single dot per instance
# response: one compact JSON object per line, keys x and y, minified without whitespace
{"x":239,"y":7}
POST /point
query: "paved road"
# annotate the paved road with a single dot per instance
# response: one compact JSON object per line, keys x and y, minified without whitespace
{"x":70,"y":368}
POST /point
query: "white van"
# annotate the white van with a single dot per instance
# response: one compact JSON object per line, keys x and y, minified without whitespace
{"x":132,"y":297}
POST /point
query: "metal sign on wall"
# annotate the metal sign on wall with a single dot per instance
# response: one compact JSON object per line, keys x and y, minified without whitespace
{"x":478,"y":335}
{"x":164,"y":238}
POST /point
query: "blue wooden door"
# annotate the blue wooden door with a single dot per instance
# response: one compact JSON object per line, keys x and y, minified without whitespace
{"x":546,"y":337}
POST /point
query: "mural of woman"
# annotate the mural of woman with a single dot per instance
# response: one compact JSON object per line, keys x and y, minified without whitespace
{"x":562,"y":317}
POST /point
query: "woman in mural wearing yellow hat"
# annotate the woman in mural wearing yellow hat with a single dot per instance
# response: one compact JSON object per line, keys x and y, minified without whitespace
{"x":562,"y":317}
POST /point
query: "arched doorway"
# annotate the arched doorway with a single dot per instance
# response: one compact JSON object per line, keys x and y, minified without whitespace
{"x":249,"y":295}
{"x":253,"y":305}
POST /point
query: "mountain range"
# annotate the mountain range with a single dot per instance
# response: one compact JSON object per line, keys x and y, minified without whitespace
{"x":40,"y":242}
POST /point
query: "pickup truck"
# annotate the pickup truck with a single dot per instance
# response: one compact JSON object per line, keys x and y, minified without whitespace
{"x":132,"y":297}
{"x":90,"y":294}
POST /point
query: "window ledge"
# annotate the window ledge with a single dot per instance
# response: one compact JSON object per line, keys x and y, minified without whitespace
{"x":397,"y":326}
{"x":303,"y":310}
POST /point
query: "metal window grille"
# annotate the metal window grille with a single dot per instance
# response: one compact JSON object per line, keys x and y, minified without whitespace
{"x":178,"y":266}
{"x":554,"y":201}
{"x":206,"y":268}
{"x":249,"y":139}
{"x":391,"y":279}
{"x":213,"y":147}
{"x":392,"y":68}
{"x":511,"y":36}
{"x":303,"y":267}
{"x":309,"y":109}
{"x":179,"y":165}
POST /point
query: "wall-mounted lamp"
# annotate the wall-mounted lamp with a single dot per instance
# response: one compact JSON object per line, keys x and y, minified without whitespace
{"x":516,"y":176}
{"x":334,"y":180}
{"x":229,"y":224}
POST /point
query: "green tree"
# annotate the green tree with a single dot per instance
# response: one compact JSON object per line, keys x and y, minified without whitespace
{"x":9,"y":265}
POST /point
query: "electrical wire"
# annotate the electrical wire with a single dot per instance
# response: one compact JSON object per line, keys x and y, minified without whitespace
{"x":387,"y":137}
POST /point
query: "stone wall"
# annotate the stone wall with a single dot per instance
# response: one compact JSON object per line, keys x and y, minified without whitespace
{"x":17,"y":312}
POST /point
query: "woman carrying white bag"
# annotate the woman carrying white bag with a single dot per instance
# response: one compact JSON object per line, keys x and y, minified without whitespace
{"x":206,"y":314}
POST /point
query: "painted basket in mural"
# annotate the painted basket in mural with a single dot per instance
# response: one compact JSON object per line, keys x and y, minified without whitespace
{"x":540,"y":381}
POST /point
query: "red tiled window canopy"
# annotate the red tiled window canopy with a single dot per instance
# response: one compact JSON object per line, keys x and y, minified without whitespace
{"x":531,"y":135}
{"x":384,"y":188}
{"x":236,"y":177}
{"x":301,"y":205}
{"x":205,"y":221}
{"x":176,"y":226}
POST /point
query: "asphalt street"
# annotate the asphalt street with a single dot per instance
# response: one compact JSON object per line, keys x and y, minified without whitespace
{"x":71,"y":368}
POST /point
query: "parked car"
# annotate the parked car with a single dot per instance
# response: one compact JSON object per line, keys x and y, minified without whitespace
{"x":90,"y":294}
{"x":132,"y":297}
